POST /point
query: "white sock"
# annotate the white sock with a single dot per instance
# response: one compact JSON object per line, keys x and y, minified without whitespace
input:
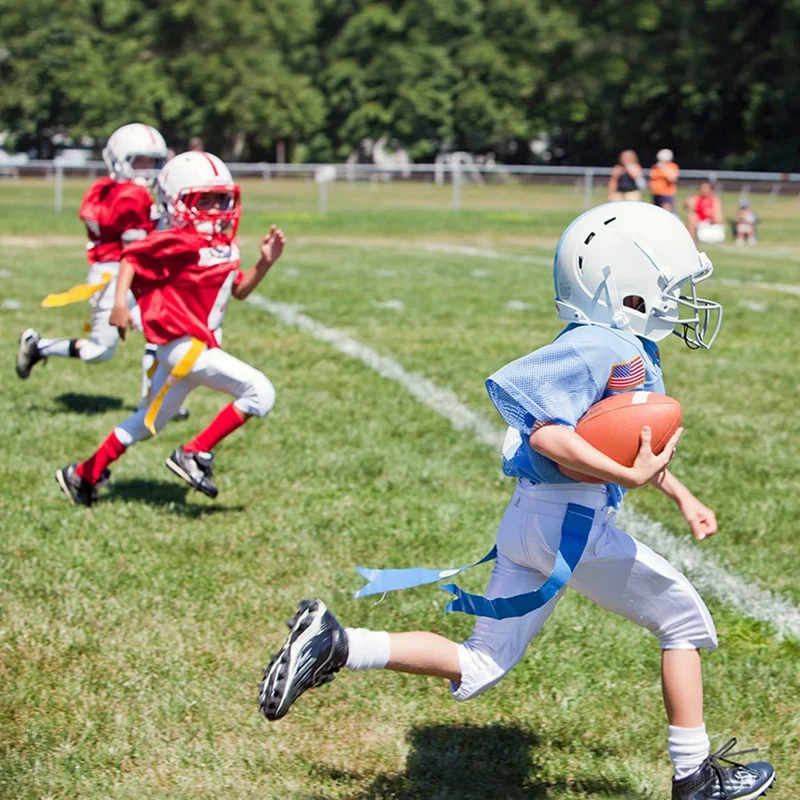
{"x":688,"y":748}
{"x":367,"y":649}
{"x":55,"y":347}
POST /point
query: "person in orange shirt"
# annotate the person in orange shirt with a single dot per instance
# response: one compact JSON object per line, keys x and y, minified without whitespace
{"x":664,"y":180}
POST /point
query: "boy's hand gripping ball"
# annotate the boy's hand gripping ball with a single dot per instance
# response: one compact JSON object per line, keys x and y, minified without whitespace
{"x":614,"y":425}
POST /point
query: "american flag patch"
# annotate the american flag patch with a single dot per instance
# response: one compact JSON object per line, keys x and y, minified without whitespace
{"x":627,"y":375}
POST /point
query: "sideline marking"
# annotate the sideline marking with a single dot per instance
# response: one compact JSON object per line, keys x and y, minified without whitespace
{"x":706,"y":571}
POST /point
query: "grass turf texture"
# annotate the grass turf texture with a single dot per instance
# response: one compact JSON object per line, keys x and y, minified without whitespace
{"x":132,"y":635}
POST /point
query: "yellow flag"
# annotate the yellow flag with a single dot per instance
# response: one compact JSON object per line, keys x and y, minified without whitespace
{"x":180,"y":370}
{"x":77,"y":293}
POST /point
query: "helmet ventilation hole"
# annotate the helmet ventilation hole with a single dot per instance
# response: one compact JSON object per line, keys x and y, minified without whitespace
{"x":580,"y":263}
{"x":589,"y":238}
{"x":608,"y":221}
{"x":636,"y":303}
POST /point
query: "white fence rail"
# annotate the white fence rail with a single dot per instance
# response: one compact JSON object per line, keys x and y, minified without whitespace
{"x":453,"y":173}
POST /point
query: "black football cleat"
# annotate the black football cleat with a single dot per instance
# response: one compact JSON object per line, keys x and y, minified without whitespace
{"x":315,"y":649}
{"x":74,"y":487}
{"x":715,"y":780}
{"x":28,"y":353}
{"x":181,"y":415}
{"x":195,"y":469}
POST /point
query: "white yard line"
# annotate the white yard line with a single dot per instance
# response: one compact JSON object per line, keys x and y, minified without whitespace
{"x":706,"y":571}
{"x":483,"y":253}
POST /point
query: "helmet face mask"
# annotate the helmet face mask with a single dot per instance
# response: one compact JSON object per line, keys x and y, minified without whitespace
{"x":211,"y":211}
{"x":634,"y":266}
{"x":702,"y":327}
{"x":135,"y":152}
{"x":197,"y":191}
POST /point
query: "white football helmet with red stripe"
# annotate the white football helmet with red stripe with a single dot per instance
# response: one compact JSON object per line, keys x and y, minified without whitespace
{"x":130,"y":142}
{"x":197,"y":189}
{"x":634,"y":266}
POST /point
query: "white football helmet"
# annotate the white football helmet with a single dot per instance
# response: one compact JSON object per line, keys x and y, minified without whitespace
{"x":634,"y":266}
{"x":129,"y":142}
{"x":184,"y":185}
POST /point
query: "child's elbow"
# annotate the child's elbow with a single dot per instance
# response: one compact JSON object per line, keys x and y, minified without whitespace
{"x":544,"y":437}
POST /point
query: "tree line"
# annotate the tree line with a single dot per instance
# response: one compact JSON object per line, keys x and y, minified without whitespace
{"x":718,"y":81}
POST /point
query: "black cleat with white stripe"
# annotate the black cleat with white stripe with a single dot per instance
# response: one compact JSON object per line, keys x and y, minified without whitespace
{"x":314,"y":651}
{"x":715,"y":780}
{"x":195,"y":469}
{"x":74,"y":487}
{"x":28,"y":353}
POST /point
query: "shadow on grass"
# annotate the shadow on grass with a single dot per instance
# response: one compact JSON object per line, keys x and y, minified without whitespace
{"x":466,"y":762}
{"x":79,"y":403}
{"x":169,"y":495}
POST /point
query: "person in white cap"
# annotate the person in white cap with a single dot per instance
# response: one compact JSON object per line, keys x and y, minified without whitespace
{"x":664,"y":179}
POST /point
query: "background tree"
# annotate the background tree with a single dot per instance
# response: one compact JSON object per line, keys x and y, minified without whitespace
{"x":718,"y":81}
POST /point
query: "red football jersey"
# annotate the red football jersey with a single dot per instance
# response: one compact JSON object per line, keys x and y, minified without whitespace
{"x":109,"y":209}
{"x":182,"y":283}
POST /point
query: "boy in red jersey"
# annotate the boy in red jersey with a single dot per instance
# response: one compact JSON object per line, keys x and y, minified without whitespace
{"x":182,"y":279}
{"x":116,"y":210}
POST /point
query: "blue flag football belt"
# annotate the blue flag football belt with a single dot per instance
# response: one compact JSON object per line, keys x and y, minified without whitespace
{"x":574,"y":535}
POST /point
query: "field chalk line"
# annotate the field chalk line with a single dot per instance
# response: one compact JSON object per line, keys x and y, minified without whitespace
{"x":707,"y":573}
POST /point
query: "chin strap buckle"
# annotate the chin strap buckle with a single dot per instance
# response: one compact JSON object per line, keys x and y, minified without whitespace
{"x":618,"y":316}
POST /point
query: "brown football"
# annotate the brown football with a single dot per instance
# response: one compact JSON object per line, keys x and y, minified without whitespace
{"x":614,"y":426}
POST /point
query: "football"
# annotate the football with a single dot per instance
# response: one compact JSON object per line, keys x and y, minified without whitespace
{"x":614,"y":426}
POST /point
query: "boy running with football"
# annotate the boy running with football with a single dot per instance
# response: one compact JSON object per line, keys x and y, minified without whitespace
{"x":182,"y":279}
{"x":116,"y":211}
{"x":625,"y":277}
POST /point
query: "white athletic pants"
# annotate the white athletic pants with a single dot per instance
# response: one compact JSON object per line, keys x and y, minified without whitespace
{"x":616,"y":571}
{"x":101,"y":344}
{"x":215,"y":369}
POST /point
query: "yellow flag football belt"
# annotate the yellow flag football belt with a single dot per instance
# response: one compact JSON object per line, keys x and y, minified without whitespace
{"x":179,"y":371}
{"x":77,"y":293}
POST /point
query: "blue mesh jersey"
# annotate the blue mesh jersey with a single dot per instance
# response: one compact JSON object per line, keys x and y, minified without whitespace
{"x":559,"y":382}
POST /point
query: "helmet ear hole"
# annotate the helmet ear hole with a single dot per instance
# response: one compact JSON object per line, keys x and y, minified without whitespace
{"x":636,"y":303}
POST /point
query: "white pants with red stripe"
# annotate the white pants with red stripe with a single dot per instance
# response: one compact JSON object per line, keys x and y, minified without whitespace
{"x":616,"y":571}
{"x":103,"y":338}
{"x":213,"y":368}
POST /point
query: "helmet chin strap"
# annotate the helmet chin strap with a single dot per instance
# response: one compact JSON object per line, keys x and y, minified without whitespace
{"x":618,"y":316}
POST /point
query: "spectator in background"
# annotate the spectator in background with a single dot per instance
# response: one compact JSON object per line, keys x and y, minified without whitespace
{"x":627,"y":178}
{"x":196,"y":144}
{"x":705,"y":222}
{"x":664,"y":180}
{"x":744,"y":224}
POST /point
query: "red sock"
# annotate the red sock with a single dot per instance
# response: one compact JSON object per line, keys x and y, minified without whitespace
{"x":225,"y":423}
{"x":110,"y":450}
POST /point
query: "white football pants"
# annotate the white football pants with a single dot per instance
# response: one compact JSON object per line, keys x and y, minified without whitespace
{"x":616,"y":571}
{"x":215,"y":369}
{"x":101,"y":343}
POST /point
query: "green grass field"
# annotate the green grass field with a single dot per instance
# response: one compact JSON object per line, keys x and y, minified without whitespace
{"x":133,"y":634}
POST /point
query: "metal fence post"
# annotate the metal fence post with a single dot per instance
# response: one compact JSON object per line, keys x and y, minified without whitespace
{"x":588,"y":189}
{"x":59,"y":184}
{"x":455,"y":172}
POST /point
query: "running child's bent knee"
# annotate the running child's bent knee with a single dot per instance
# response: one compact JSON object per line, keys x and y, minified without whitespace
{"x":96,"y":353}
{"x":692,"y":632}
{"x":258,"y":398}
{"x":132,"y":430}
{"x":482,"y":667}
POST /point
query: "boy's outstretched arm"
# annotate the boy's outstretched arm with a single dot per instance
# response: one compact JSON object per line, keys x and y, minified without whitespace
{"x":701,"y":519}
{"x":271,"y":248}
{"x":567,"y":448}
